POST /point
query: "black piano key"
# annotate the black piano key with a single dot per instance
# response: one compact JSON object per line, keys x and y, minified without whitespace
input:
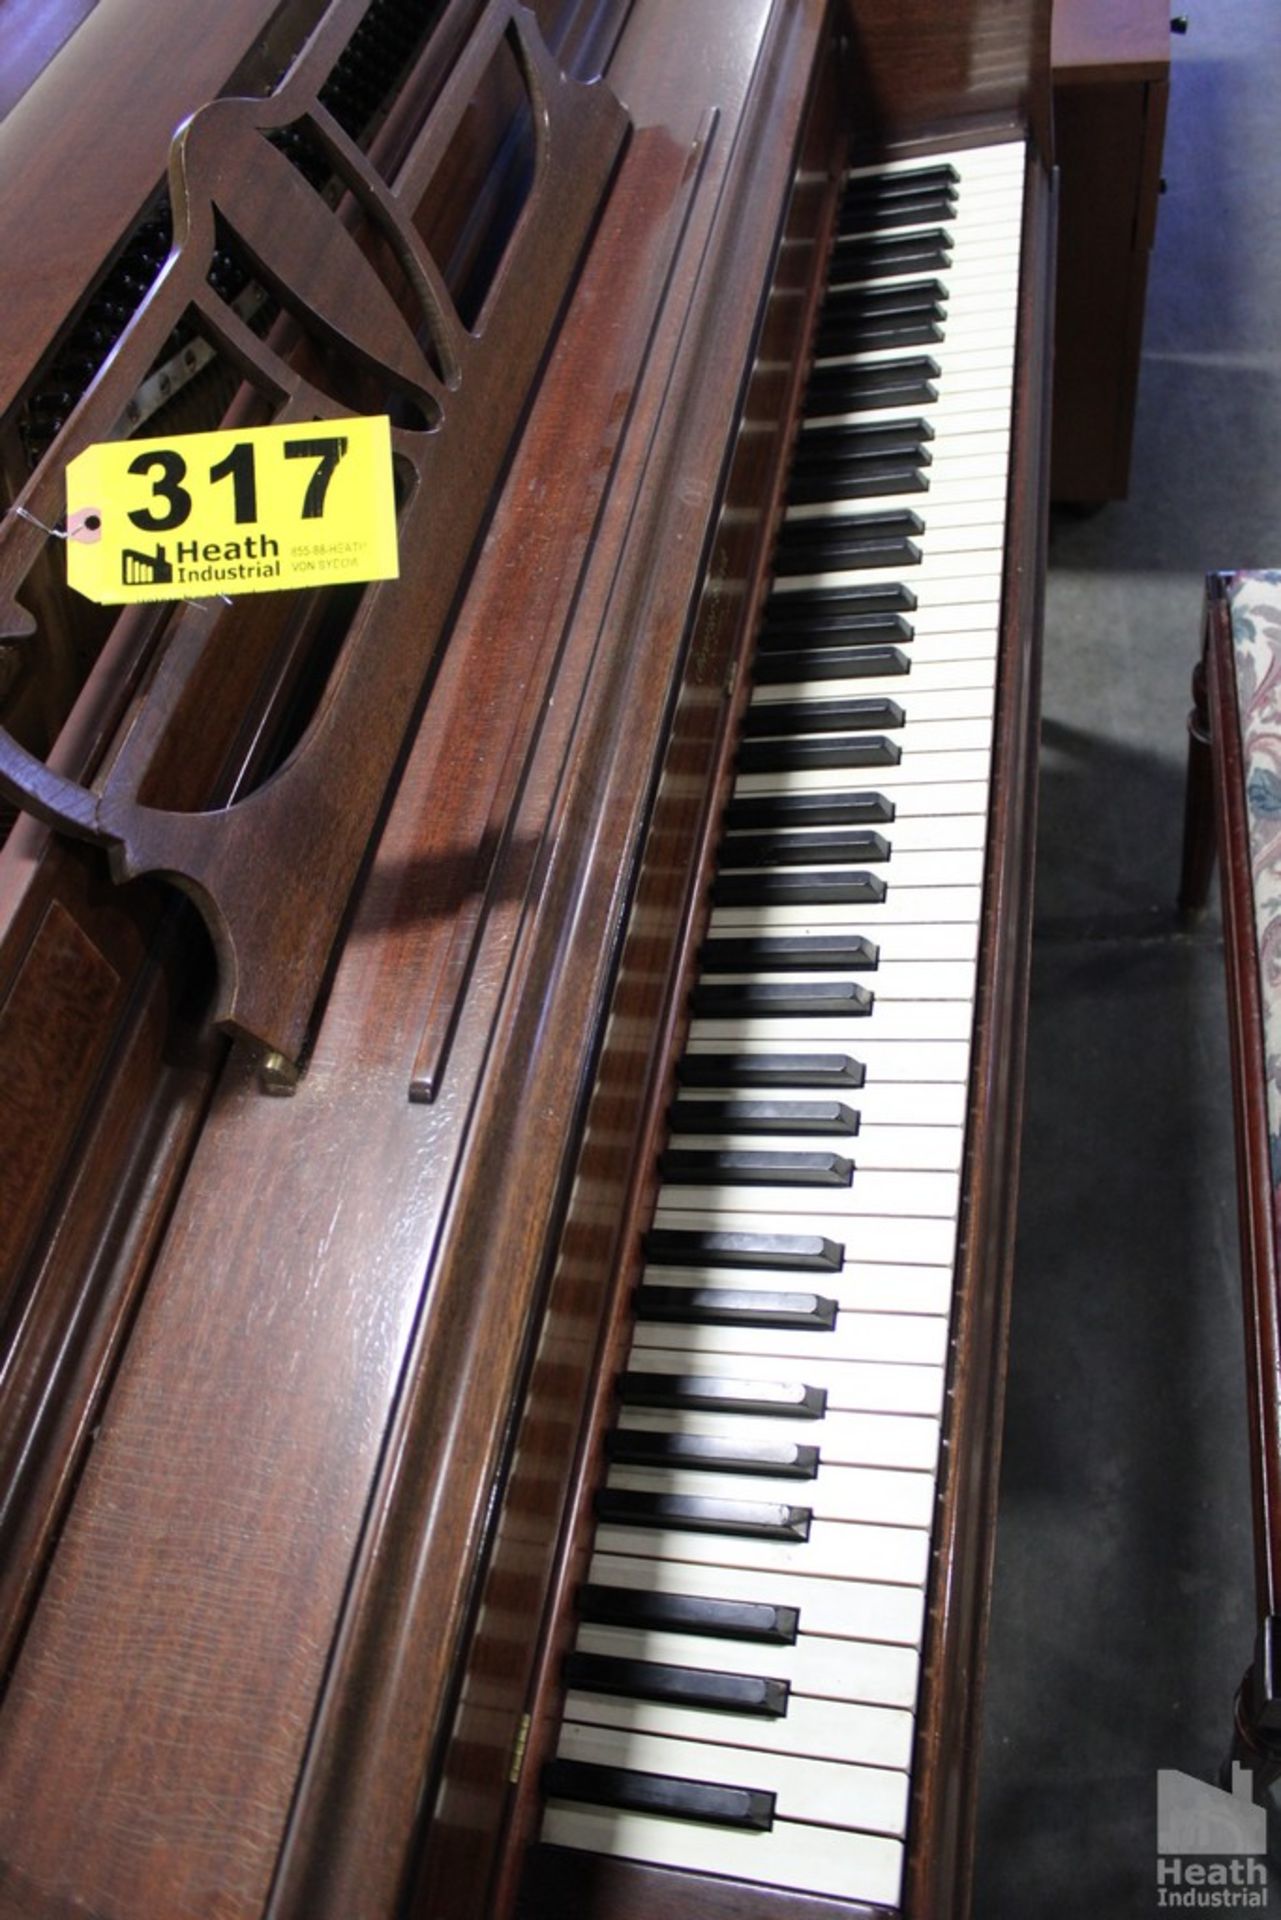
{"x":676,"y":1686}
{"x":905,"y":298}
{"x":762,"y":1252}
{"x":928,"y":251}
{"x":848,"y":467}
{"x":778,"y":999}
{"x":892,"y":383}
{"x":792,"y":756}
{"x":774,"y":717}
{"x":817,"y":445}
{"x":841,"y":633}
{"x":891,"y":521}
{"x":763,"y":1116}
{"x":874,"y":480}
{"x":817,"y":889}
{"x":836,"y":609}
{"x":873,"y":213}
{"x":781,"y":952}
{"x":607,"y":1606}
{"x":830,"y":663}
{"x":718,"y":1393}
{"x":828,"y":546}
{"x":904,"y":182}
{"x":806,"y":810}
{"x":741,"y":1167}
{"x":820,"y":1070}
{"x":838,"y":335}
{"x":743,"y":1809}
{"x":734,"y":1307}
{"x":801,"y":849}
{"x":699,"y":1513}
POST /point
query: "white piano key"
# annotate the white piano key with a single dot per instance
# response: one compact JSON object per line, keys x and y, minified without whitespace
{"x":999,"y":160}
{"x":852,"y":1386}
{"x":855,"y":1866}
{"x":991,"y":341}
{"x":921,"y":833}
{"x":892,"y":980}
{"x":956,"y":774}
{"x":902,"y":1440}
{"x":822,"y":1729}
{"x":843,"y":1550}
{"x":826,"y":1793}
{"x":986,"y":411}
{"x":913,"y":1339}
{"x":935,"y":1149}
{"x":888,"y":1020}
{"x":910,"y":1196}
{"x":974,"y":273}
{"x":945,"y":690}
{"x":817,"y":1668}
{"x":929,"y":1020}
{"x":904,"y":906}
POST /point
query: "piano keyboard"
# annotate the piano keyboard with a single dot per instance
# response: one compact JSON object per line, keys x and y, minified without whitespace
{"x":743,"y":1685}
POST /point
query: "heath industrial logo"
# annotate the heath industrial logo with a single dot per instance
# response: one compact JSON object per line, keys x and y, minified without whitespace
{"x":1194,"y":1821}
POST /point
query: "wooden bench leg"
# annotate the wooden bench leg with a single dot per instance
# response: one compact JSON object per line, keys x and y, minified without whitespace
{"x":1198,"y":815}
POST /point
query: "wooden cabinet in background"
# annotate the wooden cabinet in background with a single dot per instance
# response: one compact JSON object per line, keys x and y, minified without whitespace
{"x":1111,"y":66}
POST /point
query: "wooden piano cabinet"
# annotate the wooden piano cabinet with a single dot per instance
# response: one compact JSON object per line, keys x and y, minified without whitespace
{"x":1110,"y":68}
{"x":1218,"y":821}
{"x":302,"y":1399}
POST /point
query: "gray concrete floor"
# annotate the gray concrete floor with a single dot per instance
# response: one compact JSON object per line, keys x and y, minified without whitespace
{"x":1123,"y":1603}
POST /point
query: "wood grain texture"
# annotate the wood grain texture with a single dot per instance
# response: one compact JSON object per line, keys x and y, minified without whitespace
{"x":562,"y":1881}
{"x":1128,"y":41}
{"x":589,"y":1319}
{"x":53,"y":1022}
{"x":919,"y":69}
{"x":1109,"y":136}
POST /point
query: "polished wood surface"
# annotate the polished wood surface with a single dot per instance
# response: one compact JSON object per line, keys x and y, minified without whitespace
{"x":302,"y":1398}
{"x":1090,"y":39}
{"x":921,"y":70}
{"x":1111,"y":95}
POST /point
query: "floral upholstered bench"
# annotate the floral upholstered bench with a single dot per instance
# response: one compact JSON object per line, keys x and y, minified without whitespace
{"x":1234,"y":808}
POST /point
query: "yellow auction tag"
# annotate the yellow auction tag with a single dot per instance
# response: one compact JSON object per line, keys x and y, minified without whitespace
{"x":246,"y":511}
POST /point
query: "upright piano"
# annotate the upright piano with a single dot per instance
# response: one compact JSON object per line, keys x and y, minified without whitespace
{"x":509,"y":1075}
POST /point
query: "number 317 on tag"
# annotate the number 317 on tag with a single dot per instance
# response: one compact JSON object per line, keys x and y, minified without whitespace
{"x":252,"y":510}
